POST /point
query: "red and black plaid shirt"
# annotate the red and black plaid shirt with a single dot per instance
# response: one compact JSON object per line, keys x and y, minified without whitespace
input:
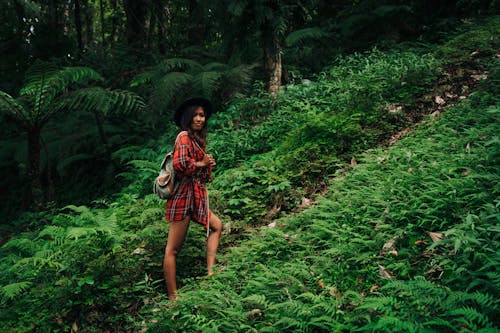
{"x":191,"y":198}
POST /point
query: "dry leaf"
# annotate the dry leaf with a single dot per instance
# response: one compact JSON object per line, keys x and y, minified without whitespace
{"x":272,"y":225}
{"x":373,"y":288}
{"x":435,"y":236}
{"x":393,"y":252}
{"x":74,"y":327}
{"x":321,"y":284}
{"x":439,"y":100}
{"x":139,"y":250}
{"x":410,"y":170}
{"x":389,"y":245}
{"x":384,"y":273}
{"x":467,"y":148}
{"x":420,"y":243}
{"x":466,"y":172}
{"x":305,"y":203}
{"x":479,"y":77}
{"x":353,"y":161}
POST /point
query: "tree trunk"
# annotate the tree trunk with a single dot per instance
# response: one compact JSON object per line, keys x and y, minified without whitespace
{"x":135,"y":11}
{"x":101,"y":9}
{"x":196,"y":26}
{"x":89,"y":27}
{"x":160,"y":21}
{"x":272,"y":61}
{"x":78,"y":26}
{"x":114,"y":21}
{"x":52,"y":25}
{"x":34,"y":166}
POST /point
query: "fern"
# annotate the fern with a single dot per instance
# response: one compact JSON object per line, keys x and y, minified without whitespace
{"x":298,"y":37}
{"x":13,"y":290}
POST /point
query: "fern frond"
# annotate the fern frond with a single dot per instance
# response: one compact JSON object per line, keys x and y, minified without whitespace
{"x":11,"y":291}
{"x":45,"y":83}
{"x":206,"y":82}
{"x":13,"y":108}
{"x":169,"y":86}
{"x":25,"y":245}
{"x":178,"y":64}
{"x":298,"y":37}
{"x":96,"y":99}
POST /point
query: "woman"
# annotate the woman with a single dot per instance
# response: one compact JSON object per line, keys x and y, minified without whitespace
{"x":193,"y":167}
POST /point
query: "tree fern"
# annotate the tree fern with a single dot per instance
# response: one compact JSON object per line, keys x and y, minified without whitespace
{"x":298,"y":37}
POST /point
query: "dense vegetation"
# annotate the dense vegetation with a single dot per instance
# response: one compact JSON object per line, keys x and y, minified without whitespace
{"x":360,"y":196}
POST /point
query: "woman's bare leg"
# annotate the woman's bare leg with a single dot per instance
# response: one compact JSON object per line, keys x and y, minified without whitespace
{"x":213,"y":241}
{"x":176,"y":236}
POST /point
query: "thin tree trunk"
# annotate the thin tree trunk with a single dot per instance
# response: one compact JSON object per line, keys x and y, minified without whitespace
{"x":136,"y":10}
{"x":272,"y":61}
{"x":114,"y":21}
{"x":34,"y":166}
{"x":53,"y":27}
{"x":89,"y":15}
{"x":101,"y":7}
{"x":151,"y":28}
{"x":78,"y":26}
{"x":160,"y":9}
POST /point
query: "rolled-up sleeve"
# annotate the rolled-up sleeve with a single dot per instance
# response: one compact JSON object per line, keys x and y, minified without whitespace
{"x":184,"y":163}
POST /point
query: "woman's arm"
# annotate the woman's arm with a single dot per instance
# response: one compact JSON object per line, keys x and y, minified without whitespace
{"x":184,"y":163}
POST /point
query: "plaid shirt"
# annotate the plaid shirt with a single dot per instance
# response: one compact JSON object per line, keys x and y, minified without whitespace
{"x":191,"y":197}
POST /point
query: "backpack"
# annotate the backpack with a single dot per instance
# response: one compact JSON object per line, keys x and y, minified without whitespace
{"x":164,"y":185}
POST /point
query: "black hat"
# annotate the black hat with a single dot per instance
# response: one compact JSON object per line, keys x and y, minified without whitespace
{"x":194,"y":101}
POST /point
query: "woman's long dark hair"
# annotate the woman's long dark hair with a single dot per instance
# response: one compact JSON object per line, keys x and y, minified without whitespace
{"x":186,"y":119}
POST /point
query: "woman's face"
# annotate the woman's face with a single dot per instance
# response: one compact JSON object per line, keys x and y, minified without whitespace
{"x":198,"y":121}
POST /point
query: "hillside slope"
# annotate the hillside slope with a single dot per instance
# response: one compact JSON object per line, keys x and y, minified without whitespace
{"x":407,"y":241}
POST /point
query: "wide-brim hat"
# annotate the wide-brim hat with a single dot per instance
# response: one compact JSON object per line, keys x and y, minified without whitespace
{"x":193,"y":101}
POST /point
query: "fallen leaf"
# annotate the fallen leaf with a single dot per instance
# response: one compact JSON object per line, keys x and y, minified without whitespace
{"x":410,"y":170}
{"x":467,"y":148}
{"x":389,"y":245}
{"x":420,"y":243}
{"x":479,"y":77}
{"x":305,"y":203}
{"x":272,"y":225}
{"x":466,"y":172}
{"x":74,"y":327}
{"x":435,"y":236}
{"x":321,"y":284}
{"x":373,"y":288}
{"x":139,"y":250}
{"x":393,"y":252}
{"x":384,"y":273}
{"x":353,"y":161}
{"x":439,"y":100}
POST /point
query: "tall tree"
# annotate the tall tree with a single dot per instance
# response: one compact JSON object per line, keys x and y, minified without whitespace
{"x":136,"y":11}
{"x":43,"y":96}
{"x":243,"y":19}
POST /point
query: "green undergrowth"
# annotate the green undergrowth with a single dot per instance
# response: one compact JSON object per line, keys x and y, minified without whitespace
{"x":98,"y":267}
{"x":408,"y":241}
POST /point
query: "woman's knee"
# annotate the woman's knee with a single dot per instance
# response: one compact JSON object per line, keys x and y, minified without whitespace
{"x":215,"y":223}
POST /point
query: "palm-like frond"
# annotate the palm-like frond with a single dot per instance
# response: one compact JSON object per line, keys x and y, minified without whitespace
{"x":97,"y":99}
{"x":206,"y":82}
{"x":45,"y":83}
{"x":169,"y":86}
{"x":13,"y":108}
{"x":298,"y":37}
{"x":12,"y":290}
{"x":178,"y":65}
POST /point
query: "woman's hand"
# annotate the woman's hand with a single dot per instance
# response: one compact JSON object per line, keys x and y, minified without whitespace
{"x":207,"y":160}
